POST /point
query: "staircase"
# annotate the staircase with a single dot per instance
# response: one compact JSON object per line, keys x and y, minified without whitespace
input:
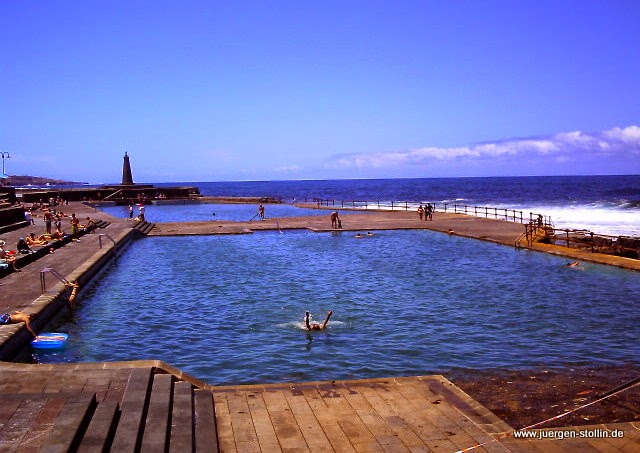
{"x":144,"y":227}
{"x":158,"y":413}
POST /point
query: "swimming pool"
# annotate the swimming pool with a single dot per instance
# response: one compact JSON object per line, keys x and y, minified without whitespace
{"x":228,"y":309}
{"x":217,"y":211}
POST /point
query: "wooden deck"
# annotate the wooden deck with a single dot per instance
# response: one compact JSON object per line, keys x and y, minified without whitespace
{"x":403,"y":414}
{"x":150,"y":406}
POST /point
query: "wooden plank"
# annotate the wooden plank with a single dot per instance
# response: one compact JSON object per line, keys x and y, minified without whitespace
{"x":206,"y":431}
{"x":70,"y":425}
{"x":99,"y":434}
{"x":284,"y":423}
{"x":243,"y":429}
{"x":226,"y":439}
{"x":181,"y":440}
{"x":313,"y":433}
{"x":262,"y":423}
{"x":376,"y":425}
{"x":326,"y":418}
{"x":133,"y":410}
{"x":418,"y":409}
{"x":457,"y":422}
{"x":395,"y":422}
{"x":157,"y":425}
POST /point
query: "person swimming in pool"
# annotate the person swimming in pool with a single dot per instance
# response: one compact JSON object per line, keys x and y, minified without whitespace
{"x":315,"y":325}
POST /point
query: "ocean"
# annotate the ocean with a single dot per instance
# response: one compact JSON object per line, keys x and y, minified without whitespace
{"x":607,"y":205}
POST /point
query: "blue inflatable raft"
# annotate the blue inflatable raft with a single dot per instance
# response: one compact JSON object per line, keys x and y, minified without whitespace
{"x":49,"y":340}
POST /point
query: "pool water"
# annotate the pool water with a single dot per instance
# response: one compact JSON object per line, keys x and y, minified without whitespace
{"x":229,"y":309}
{"x":218,"y":211}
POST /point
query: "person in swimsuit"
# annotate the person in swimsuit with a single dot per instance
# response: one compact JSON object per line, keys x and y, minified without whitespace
{"x":16,"y":317}
{"x":315,"y":325}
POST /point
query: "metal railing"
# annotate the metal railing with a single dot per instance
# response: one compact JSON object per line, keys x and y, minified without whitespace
{"x":100,"y":236}
{"x":511,"y":215}
{"x":56,"y":274}
{"x":584,"y":240}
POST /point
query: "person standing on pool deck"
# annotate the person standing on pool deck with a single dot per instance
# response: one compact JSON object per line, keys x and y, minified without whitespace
{"x":428,"y":213}
{"x":334,"y":219}
{"x":261,"y":211}
{"x":48,"y":218}
{"x":315,"y":325}
{"x":75,"y":224}
{"x":130,"y":212}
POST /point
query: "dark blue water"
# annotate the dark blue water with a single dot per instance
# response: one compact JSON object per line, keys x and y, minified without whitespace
{"x":622,"y":191}
{"x":229,"y":309}
{"x":603,"y":204}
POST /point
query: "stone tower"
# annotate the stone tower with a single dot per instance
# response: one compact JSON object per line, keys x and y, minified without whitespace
{"x":127,"y":179}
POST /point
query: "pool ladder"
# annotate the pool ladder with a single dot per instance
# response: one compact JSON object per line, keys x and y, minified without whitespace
{"x":43,"y":282}
{"x":111,"y":239}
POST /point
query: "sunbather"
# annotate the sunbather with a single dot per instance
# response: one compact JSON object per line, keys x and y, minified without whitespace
{"x":16,"y":317}
{"x":33,"y":240}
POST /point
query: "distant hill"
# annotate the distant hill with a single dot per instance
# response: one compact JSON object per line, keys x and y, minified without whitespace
{"x":24,"y":180}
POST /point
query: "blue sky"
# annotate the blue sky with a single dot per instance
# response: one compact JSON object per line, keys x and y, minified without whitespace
{"x":263,"y":90}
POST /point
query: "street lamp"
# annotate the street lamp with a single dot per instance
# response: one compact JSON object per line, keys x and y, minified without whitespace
{"x":4,"y":155}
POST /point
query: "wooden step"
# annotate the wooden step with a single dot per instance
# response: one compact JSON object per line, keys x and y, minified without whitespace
{"x":158,"y":424}
{"x":133,"y":412}
{"x":148,"y":227}
{"x":206,"y":432}
{"x":99,"y":434}
{"x":71,"y":424}
{"x":182,"y":418}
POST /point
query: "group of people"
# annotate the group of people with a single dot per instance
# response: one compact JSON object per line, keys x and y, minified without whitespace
{"x":140,"y":212}
{"x":6,"y":258}
{"x":426,"y":212}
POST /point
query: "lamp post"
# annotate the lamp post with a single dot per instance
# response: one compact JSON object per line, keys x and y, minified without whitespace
{"x":5,"y":155}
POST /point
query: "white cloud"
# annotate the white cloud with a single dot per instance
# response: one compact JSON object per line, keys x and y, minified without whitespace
{"x":562,"y":147}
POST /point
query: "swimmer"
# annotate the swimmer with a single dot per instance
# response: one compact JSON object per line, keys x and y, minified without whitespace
{"x":369,"y":233}
{"x":451,"y":232}
{"x":575,"y":264}
{"x":315,"y":325}
{"x":74,"y":290}
{"x":358,"y":236}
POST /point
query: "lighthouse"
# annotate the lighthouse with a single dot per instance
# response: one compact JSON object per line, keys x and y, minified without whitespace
{"x":127,"y":179}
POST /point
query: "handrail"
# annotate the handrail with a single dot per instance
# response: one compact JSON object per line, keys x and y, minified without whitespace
{"x":111,"y":195}
{"x":43,"y":283}
{"x":100,"y":239}
{"x":111,"y":239}
{"x":512,"y":215}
